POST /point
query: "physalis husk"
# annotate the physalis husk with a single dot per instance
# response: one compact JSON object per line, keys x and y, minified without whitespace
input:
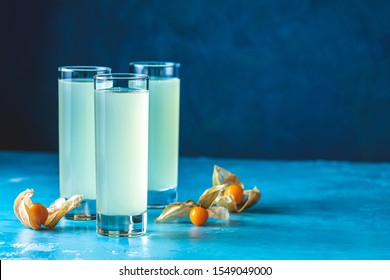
{"x":34,"y":215}
{"x":178,"y":210}
{"x":214,"y":200}
{"x":227,"y":178}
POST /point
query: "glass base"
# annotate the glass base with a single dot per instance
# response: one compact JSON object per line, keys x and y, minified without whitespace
{"x":160,"y":199}
{"x":85,"y":212}
{"x":122,"y":226}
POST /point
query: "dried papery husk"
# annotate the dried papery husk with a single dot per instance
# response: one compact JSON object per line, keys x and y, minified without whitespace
{"x":60,"y":207}
{"x":56,"y":211}
{"x":21,"y":204}
{"x":217,"y":204}
{"x":176,"y":210}
{"x":251,"y":198}
{"x":222,"y":176}
{"x":227,"y":201}
{"x":209,"y":196}
{"x":218,"y":212}
{"x":179,"y":210}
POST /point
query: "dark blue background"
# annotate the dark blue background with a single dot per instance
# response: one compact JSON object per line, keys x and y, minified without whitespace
{"x":263,"y":79}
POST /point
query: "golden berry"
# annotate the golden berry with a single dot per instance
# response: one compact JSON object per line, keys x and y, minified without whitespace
{"x":38,"y":214}
{"x":199,"y":216}
{"x":236,"y":191}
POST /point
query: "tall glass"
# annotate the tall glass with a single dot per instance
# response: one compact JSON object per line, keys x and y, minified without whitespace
{"x":164,"y":88}
{"x":77,"y":137}
{"x":121,"y":118}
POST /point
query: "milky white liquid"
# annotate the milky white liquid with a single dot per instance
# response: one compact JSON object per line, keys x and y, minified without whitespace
{"x":76,"y":138}
{"x":163,"y":133}
{"x":122,"y":151}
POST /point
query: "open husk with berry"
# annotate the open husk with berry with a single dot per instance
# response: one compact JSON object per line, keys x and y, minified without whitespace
{"x":226,"y":195}
{"x":34,"y":215}
{"x":226,"y":198}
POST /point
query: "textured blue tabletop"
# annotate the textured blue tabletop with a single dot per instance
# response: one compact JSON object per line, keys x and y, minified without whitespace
{"x":308,"y":210}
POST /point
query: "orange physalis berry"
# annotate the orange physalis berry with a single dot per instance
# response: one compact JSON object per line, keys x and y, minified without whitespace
{"x":38,"y":214}
{"x":236,"y":191}
{"x":199,"y":216}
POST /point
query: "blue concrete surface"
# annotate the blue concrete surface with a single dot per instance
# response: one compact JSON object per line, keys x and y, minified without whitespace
{"x":274,"y":79}
{"x":309,"y":210}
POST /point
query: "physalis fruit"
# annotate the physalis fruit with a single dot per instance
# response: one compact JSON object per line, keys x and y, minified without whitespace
{"x":226,"y":195}
{"x":34,"y":215}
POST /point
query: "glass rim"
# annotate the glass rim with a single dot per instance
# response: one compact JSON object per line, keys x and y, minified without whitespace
{"x":162,"y":64}
{"x":120,"y":76}
{"x":83,"y":68}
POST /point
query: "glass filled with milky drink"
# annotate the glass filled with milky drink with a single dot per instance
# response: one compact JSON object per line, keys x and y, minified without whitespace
{"x":121,"y":123}
{"x":164,"y":88}
{"x":77,"y":137}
